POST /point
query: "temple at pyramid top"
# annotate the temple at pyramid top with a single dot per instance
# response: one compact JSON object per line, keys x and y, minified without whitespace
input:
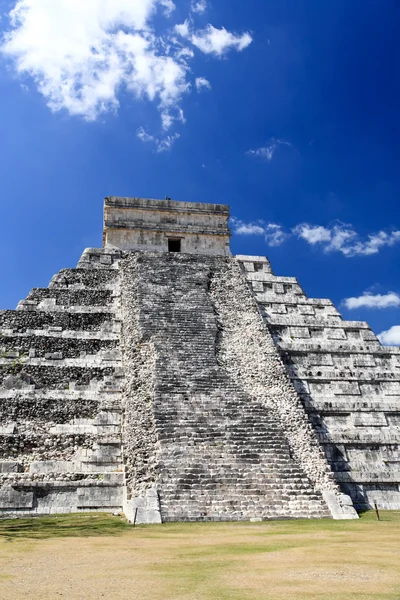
{"x":166,"y":226}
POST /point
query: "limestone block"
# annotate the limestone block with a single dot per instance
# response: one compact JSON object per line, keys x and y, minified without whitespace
{"x":54,"y":466}
{"x":372,"y":419}
{"x":364,"y":360}
{"x":11,"y":498}
{"x":346,"y":387}
{"x":304,"y":309}
{"x":371,"y":389}
{"x":278,"y":309}
{"x":390,"y":388}
{"x":386,"y":496}
{"x":108,"y":418}
{"x":53,"y":356}
{"x":320,"y":359}
{"x":257,"y":286}
{"x":16,"y":382}
{"x":299,"y":332}
{"x":10,"y":467}
{"x":72,"y":429}
{"x":143,"y":509}
{"x":368,"y":335}
{"x":340,"y":505}
{"x":8,"y":429}
{"x":99,"y":496}
{"x":335,"y":334}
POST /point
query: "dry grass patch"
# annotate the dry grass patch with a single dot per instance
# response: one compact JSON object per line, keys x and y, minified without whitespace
{"x":100,"y":556}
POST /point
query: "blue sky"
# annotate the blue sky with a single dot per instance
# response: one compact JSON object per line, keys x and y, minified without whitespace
{"x":288,"y":110}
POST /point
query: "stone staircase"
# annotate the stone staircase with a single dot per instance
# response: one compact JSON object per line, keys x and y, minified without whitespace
{"x":222,"y":455}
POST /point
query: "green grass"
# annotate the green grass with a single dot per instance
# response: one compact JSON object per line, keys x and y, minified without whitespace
{"x":103,"y":524}
{"x":94,"y":555}
{"x":72,"y":525}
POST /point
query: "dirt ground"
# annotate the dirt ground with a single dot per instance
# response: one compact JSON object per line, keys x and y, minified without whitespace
{"x":97,"y":556}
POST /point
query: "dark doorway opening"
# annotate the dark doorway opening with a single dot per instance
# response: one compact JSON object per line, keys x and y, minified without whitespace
{"x":174,"y":245}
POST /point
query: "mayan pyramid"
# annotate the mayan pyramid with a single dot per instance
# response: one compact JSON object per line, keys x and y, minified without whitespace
{"x":167,"y":379}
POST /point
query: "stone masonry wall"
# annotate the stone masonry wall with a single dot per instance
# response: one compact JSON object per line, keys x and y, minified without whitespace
{"x":60,"y":410}
{"x":348,"y":383}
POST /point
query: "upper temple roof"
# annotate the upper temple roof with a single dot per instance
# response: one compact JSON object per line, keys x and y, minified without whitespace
{"x":157,"y":225}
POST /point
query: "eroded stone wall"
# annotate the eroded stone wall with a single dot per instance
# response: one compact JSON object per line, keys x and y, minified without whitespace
{"x":60,"y":410}
{"x":348,"y":383}
{"x":139,"y":427}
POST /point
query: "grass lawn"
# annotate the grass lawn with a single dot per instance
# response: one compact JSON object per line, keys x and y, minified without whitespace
{"x":99,"y":556}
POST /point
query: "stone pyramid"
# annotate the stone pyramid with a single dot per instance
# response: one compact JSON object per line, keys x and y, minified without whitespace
{"x":167,"y":379}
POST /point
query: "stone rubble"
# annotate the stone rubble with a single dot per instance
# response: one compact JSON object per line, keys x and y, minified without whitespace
{"x":139,"y":427}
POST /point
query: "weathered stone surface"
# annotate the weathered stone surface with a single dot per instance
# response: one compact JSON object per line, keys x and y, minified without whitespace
{"x":142,"y":224}
{"x":212,"y":448}
{"x":191,"y":386}
{"x":60,"y":374}
{"x":348,"y":384}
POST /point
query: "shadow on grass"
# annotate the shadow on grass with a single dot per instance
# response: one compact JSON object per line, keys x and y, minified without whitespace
{"x":103,"y":524}
{"x":384,"y":515}
{"x":74,"y":525}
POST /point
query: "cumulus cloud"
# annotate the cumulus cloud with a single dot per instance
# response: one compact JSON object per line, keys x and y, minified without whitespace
{"x":168,"y":5}
{"x":160,"y":144}
{"x":338,"y":237}
{"x":82,"y":53}
{"x":313,"y":234}
{"x":212,"y":40}
{"x":341,"y":237}
{"x":368,"y":300}
{"x":272,"y":232}
{"x":267,"y":152}
{"x":390,"y":337}
{"x":199,"y":7}
{"x":202,"y":83}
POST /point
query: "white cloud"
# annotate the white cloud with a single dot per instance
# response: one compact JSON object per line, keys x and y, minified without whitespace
{"x":267,"y":152}
{"x":272,"y":232}
{"x":201,"y":83}
{"x":211,"y":40}
{"x":368,"y":300}
{"x":199,"y":7}
{"x":160,"y":144}
{"x":341,"y":237}
{"x":168,"y":5}
{"x":168,"y":118}
{"x":390,"y":337}
{"x":313,"y":234}
{"x":183,"y":29}
{"x":218,"y":41}
{"x":241,"y":228}
{"x":338,"y":237}
{"x":82,"y":53}
{"x":274,"y":235}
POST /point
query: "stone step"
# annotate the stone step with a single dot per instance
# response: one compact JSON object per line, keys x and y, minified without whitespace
{"x":20,"y":321}
{"x":85,"y":278}
{"x":70,"y":297}
{"x":51,"y":376}
{"x":37,"y":346}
